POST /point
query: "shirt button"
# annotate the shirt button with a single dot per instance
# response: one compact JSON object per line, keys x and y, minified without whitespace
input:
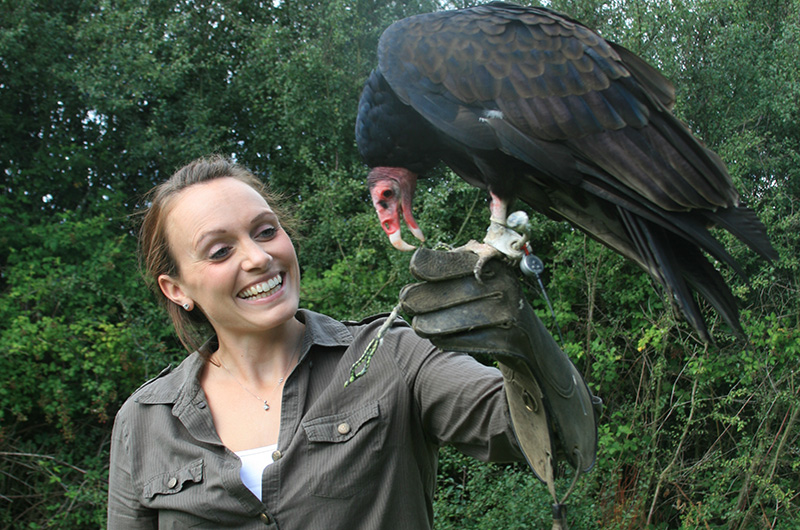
{"x":343,"y":428}
{"x":276,"y":455}
{"x":265,"y":518}
{"x":172,"y":482}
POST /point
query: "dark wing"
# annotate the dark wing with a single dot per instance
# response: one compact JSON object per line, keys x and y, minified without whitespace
{"x":531,"y":104}
{"x":553,"y":80}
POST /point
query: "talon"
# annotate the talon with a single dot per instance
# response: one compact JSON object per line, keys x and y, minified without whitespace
{"x":482,"y":260}
{"x":485,"y":253}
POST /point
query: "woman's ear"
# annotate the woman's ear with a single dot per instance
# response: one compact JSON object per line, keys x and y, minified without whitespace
{"x":172,"y":290}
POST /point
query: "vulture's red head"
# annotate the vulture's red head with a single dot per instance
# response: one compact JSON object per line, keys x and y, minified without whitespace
{"x":392,"y":191}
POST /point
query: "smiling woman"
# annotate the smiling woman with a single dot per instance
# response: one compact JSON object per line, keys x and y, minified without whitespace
{"x":256,"y":426}
{"x":225,"y":241}
{"x":154,"y":251}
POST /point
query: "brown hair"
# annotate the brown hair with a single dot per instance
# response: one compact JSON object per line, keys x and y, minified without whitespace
{"x":155,"y":256}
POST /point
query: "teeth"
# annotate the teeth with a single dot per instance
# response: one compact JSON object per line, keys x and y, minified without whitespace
{"x":263,"y":289}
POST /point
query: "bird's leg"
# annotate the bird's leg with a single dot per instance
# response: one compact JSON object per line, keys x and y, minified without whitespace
{"x":501,"y":236}
{"x":499,"y":209}
{"x":500,"y":240}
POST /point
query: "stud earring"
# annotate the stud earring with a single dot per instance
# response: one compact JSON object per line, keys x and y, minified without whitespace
{"x":186,"y":306}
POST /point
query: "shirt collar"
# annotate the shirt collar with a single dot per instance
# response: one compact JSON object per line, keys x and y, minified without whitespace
{"x":322,"y":330}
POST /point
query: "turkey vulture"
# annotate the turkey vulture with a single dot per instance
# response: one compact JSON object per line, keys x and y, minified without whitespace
{"x":527,"y":103}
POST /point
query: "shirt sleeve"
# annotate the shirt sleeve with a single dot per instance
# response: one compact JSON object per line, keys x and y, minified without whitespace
{"x":461,"y":401}
{"x":124,"y":509}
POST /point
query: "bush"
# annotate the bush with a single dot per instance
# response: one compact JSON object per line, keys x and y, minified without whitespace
{"x":79,"y":335}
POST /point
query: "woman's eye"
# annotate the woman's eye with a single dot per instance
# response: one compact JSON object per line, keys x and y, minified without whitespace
{"x":220,"y":253}
{"x":268,"y":232}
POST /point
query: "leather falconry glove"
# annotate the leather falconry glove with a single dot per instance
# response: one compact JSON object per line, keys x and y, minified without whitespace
{"x":551,"y":407}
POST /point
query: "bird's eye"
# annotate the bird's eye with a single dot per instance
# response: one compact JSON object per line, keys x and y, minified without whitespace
{"x":387,"y":194}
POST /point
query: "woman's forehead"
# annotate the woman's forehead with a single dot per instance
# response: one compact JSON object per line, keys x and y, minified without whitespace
{"x":221,"y":193}
{"x":215,"y":206}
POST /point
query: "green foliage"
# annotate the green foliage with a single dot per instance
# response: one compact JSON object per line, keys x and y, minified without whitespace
{"x":79,"y":335}
{"x":476,"y":495}
{"x":120,"y":93}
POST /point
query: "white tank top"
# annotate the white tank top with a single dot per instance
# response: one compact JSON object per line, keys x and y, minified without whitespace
{"x":254,"y":462}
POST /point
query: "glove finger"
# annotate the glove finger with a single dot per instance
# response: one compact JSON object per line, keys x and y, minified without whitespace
{"x":485,"y":313}
{"x":435,"y":265}
{"x":432,"y":296}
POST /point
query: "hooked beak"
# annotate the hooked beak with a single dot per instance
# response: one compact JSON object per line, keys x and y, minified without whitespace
{"x":397,"y":241}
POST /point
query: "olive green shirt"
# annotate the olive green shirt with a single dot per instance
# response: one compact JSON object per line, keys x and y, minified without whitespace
{"x":360,"y":457}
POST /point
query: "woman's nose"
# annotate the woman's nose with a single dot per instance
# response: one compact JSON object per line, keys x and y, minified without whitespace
{"x":256,"y":257}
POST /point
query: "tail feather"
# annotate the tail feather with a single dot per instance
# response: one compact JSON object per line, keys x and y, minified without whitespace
{"x":682,"y":269}
{"x":743,"y":223}
{"x":710,"y":284}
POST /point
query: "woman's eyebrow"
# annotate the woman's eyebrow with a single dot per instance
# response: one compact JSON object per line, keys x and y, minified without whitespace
{"x":266,"y":215}
{"x":205,"y":235}
{"x":263,"y":216}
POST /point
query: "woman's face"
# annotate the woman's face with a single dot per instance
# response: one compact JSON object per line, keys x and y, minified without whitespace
{"x":235,"y":262}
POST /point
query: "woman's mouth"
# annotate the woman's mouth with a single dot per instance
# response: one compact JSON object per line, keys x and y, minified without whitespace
{"x":263,"y":289}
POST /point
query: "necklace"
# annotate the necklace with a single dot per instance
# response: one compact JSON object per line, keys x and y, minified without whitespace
{"x":281,"y":380}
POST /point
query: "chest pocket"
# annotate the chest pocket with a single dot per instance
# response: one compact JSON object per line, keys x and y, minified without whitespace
{"x":175,"y":481}
{"x":343,"y":451}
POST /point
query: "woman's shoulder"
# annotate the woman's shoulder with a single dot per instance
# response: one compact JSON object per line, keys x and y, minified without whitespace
{"x":391,"y":330}
{"x":377,"y":320}
{"x":165,"y":387}
{"x":327,"y":330}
